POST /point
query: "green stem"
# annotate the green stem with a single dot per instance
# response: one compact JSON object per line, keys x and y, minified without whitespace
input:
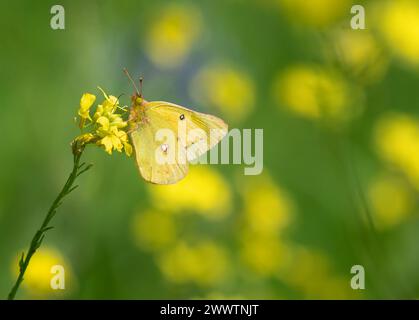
{"x":40,"y":234}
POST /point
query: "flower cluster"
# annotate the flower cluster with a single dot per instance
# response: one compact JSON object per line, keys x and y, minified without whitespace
{"x":107,"y":126}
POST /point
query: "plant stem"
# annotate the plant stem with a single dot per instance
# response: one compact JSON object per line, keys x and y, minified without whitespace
{"x":40,"y":234}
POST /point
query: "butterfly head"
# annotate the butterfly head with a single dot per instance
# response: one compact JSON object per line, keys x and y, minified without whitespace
{"x":137,"y":98}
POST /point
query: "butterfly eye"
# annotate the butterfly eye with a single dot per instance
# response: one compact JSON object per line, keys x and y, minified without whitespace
{"x":182,"y":116}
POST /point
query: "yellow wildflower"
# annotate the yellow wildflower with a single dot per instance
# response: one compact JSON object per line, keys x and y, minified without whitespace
{"x":268,"y":209}
{"x":361,"y":55}
{"x":391,"y":200}
{"x":108,"y":106}
{"x":398,"y":24}
{"x":205,"y":264}
{"x":175,"y":30}
{"x":107,"y":124}
{"x":313,"y":92}
{"x":265,"y":255}
{"x":40,"y":274}
{"x":397,"y":142}
{"x":85,"y":138}
{"x":86,"y":102}
{"x":114,"y":139}
{"x":311,"y":273}
{"x":204,"y":191}
{"x":232,"y":91}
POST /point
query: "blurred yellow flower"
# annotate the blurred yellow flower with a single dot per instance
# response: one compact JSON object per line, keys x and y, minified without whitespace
{"x":172,"y":34}
{"x":313,"y":92}
{"x":398,"y":23}
{"x":264,"y":254}
{"x":267,"y":211}
{"x":267,"y":208}
{"x":39,"y":274}
{"x":361,"y":54}
{"x":315,"y":13}
{"x":397,"y":141}
{"x":229,"y":90}
{"x":204,"y":263}
{"x":310,"y":272}
{"x":154,"y":230}
{"x":391,"y":201}
{"x":203,"y":191}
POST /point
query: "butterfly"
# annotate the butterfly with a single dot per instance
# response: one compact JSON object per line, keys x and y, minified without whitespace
{"x":166,"y":137}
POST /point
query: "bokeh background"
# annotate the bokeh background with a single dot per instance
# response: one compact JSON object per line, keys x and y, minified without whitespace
{"x":340,"y":186}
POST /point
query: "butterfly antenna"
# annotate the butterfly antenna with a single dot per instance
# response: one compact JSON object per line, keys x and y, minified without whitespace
{"x":132,"y":81}
{"x":117,"y":99}
{"x":141,"y":86}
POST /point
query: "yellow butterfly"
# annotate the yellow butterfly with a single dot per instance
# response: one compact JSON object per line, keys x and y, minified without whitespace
{"x":166,"y":137}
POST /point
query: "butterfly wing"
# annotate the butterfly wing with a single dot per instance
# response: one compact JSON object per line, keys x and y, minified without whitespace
{"x":145,"y":144}
{"x":202,"y":131}
{"x":194,"y":134}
